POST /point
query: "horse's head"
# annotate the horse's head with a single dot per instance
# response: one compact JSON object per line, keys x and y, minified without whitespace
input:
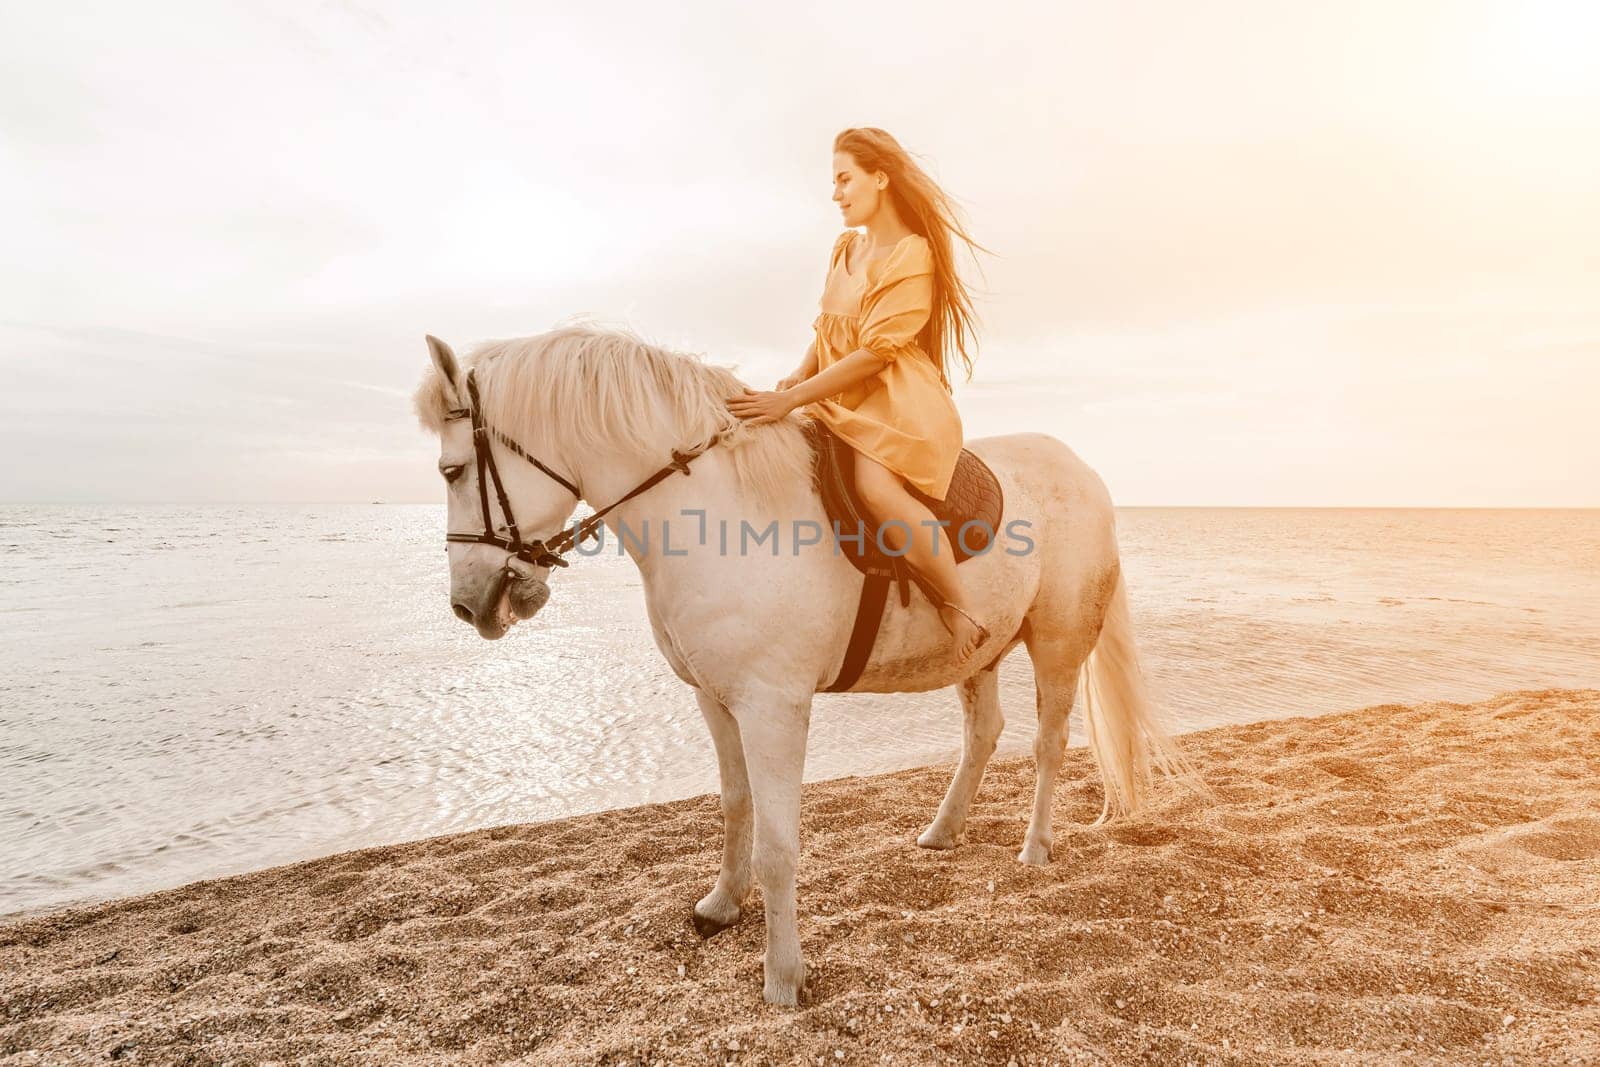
{"x":497,"y":567}
{"x":516,"y":425}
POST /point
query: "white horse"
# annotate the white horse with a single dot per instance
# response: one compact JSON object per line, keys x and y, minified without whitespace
{"x":756,"y":627}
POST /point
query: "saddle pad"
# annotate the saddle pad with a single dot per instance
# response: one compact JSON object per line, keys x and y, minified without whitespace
{"x":974,"y":497}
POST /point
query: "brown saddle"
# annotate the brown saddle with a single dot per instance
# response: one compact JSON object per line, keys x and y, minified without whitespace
{"x":971,"y":508}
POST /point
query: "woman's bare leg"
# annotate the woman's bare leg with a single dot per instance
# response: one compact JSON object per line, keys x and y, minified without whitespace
{"x":929,"y":550}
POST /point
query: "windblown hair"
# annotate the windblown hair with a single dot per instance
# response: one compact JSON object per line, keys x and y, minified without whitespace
{"x":929,"y":211}
{"x":583,"y":387}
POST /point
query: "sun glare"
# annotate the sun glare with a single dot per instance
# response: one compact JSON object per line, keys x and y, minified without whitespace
{"x":1543,"y":50}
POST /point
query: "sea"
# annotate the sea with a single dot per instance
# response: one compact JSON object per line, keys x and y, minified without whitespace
{"x":189,"y":692}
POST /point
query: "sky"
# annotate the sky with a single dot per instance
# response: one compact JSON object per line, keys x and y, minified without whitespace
{"x":1243,"y":253}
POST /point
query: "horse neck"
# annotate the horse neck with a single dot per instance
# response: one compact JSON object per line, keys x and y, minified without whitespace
{"x":700,"y":512}
{"x":711,"y":486}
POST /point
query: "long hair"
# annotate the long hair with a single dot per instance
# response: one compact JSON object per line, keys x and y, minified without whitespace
{"x":930,"y":212}
{"x":588,"y":386}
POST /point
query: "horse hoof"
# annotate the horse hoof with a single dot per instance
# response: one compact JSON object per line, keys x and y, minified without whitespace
{"x":1034,"y":855}
{"x":709,"y":928}
{"x":938,"y":839}
{"x":786,"y":991}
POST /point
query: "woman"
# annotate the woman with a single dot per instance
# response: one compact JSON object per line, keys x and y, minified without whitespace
{"x":876,"y":372}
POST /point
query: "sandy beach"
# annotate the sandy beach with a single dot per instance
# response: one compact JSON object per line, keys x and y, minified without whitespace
{"x":1390,"y":884}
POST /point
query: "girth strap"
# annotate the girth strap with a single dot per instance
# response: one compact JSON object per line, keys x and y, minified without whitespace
{"x":869,"y":613}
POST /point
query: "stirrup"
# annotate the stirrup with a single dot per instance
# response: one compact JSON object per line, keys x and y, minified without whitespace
{"x":983,"y":631}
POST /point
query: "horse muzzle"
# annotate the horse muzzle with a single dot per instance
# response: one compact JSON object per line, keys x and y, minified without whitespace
{"x":527,"y":595}
{"x":492,"y":614}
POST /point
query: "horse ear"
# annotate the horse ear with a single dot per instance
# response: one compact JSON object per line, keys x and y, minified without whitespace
{"x":444,"y":361}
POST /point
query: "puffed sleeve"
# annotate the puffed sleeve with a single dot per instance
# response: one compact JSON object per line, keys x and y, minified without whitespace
{"x":896,"y":308}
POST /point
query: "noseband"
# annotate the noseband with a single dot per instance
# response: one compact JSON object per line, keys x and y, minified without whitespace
{"x":537,"y":552}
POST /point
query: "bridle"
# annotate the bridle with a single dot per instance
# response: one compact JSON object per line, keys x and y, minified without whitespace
{"x":537,"y":552}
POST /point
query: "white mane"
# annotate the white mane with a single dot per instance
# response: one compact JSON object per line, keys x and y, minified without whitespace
{"x":589,"y":387}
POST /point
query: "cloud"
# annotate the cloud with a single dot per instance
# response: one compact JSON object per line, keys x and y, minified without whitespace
{"x":1226,"y":238}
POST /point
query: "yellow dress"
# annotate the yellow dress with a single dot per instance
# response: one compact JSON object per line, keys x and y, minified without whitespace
{"x":904,"y":416}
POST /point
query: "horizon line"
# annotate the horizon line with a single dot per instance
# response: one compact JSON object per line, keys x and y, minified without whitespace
{"x":1169,"y":507}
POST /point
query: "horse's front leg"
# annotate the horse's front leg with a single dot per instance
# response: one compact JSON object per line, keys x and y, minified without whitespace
{"x":774,"y":735}
{"x":721,"y":908}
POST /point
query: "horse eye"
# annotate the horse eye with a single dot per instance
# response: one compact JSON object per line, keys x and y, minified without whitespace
{"x":452,"y":473}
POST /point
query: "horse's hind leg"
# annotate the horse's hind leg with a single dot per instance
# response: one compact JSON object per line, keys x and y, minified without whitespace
{"x":720,"y":908}
{"x":1055,"y":672}
{"x":980,"y":706}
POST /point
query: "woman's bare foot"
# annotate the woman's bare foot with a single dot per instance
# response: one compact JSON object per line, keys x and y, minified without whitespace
{"x":966,"y":635}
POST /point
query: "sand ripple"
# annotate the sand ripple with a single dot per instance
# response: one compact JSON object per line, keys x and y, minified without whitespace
{"x":1417,"y":882}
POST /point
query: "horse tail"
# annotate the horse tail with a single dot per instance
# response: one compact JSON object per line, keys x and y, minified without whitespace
{"x":1126,"y":734}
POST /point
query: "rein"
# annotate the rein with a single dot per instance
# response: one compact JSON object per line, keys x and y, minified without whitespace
{"x":538,"y":552}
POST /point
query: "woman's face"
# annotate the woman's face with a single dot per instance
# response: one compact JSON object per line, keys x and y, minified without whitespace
{"x":854,"y":190}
